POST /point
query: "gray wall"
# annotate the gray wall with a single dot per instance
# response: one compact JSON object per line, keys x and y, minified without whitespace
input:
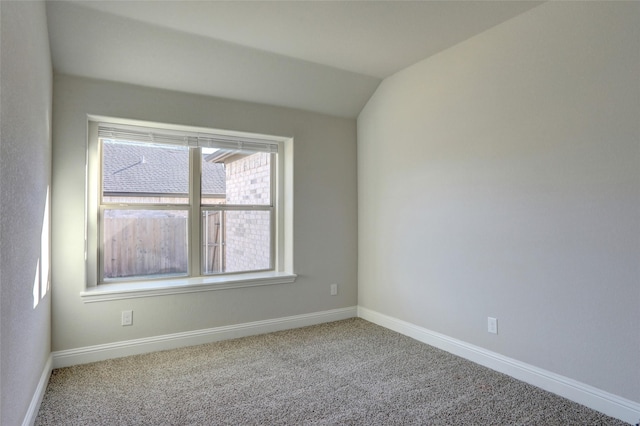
{"x":25,"y":170}
{"x":501,"y":178}
{"x":325,"y":215}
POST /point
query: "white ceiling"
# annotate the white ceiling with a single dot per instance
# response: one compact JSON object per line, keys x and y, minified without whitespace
{"x":323,"y":56}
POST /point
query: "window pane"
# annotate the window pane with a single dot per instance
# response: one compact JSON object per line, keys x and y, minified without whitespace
{"x":144,"y":243}
{"x":212,"y":252}
{"x":232,"y":177}
{"x":236,"y":241}
{"x":144,"y":173}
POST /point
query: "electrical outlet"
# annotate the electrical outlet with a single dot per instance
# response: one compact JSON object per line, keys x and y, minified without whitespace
{"x":334,"y":289}
{"x":127,"y":318}
{"x":492,"y":325}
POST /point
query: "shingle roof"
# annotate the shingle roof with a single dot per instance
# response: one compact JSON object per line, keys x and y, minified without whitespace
{"x":136,"y":168}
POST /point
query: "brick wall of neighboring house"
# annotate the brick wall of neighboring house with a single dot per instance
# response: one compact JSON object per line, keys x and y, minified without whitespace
{"x":248,"y":232}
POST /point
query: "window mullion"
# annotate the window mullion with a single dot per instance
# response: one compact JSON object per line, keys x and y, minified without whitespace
{"x":195,"y":194}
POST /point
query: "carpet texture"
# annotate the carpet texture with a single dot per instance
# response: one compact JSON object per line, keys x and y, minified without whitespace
{"x":346,"y":372}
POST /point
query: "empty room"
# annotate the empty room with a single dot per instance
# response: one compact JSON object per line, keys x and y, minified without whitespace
{"x":319,"y":212}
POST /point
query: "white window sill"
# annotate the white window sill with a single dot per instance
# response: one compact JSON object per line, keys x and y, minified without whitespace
{"x":132,"y":290}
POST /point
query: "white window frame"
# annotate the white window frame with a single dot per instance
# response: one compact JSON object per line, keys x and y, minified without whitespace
{"x":282,"y":222}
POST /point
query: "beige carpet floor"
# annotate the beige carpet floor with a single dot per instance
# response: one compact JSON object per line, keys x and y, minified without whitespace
{"x":347,"y":372}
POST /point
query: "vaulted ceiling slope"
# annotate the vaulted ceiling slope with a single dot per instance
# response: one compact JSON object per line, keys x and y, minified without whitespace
{"x":327,"y":57}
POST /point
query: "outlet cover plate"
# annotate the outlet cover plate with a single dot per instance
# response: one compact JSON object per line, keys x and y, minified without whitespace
{"x":127,"y":318}
{"x":492,"y":325}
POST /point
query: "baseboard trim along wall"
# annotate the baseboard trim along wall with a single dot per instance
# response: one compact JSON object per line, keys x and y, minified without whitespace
{"x":34,"y":406}
{"x":604,"y":402}
{"x":88,"y":354}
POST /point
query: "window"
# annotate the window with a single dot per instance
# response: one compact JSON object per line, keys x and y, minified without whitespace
{"x":172,"y":203}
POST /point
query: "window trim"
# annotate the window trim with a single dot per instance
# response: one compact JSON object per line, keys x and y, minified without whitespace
{"x":282,"y":213}
{"x":138,"y":289}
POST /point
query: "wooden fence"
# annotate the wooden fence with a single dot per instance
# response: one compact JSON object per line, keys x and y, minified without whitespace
{"x":142,"y":246}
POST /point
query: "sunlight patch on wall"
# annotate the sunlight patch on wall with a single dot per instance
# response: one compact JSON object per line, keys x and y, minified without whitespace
{"x":41,"y":280}
{"x":45,"y":248}
{"x":36,"y":286}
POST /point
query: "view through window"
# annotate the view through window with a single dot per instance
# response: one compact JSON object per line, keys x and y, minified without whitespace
{"x":185,"y":206}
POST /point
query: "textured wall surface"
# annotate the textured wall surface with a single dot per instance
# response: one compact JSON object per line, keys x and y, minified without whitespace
{"x":324,"y":221}
{"x":501,"y":178}
{"x":25,"y":171}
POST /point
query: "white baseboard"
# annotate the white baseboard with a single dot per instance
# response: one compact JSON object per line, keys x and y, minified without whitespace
{"x":88,"y":354}
{"x":604,"y":402}
{"x":34,"y":406}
